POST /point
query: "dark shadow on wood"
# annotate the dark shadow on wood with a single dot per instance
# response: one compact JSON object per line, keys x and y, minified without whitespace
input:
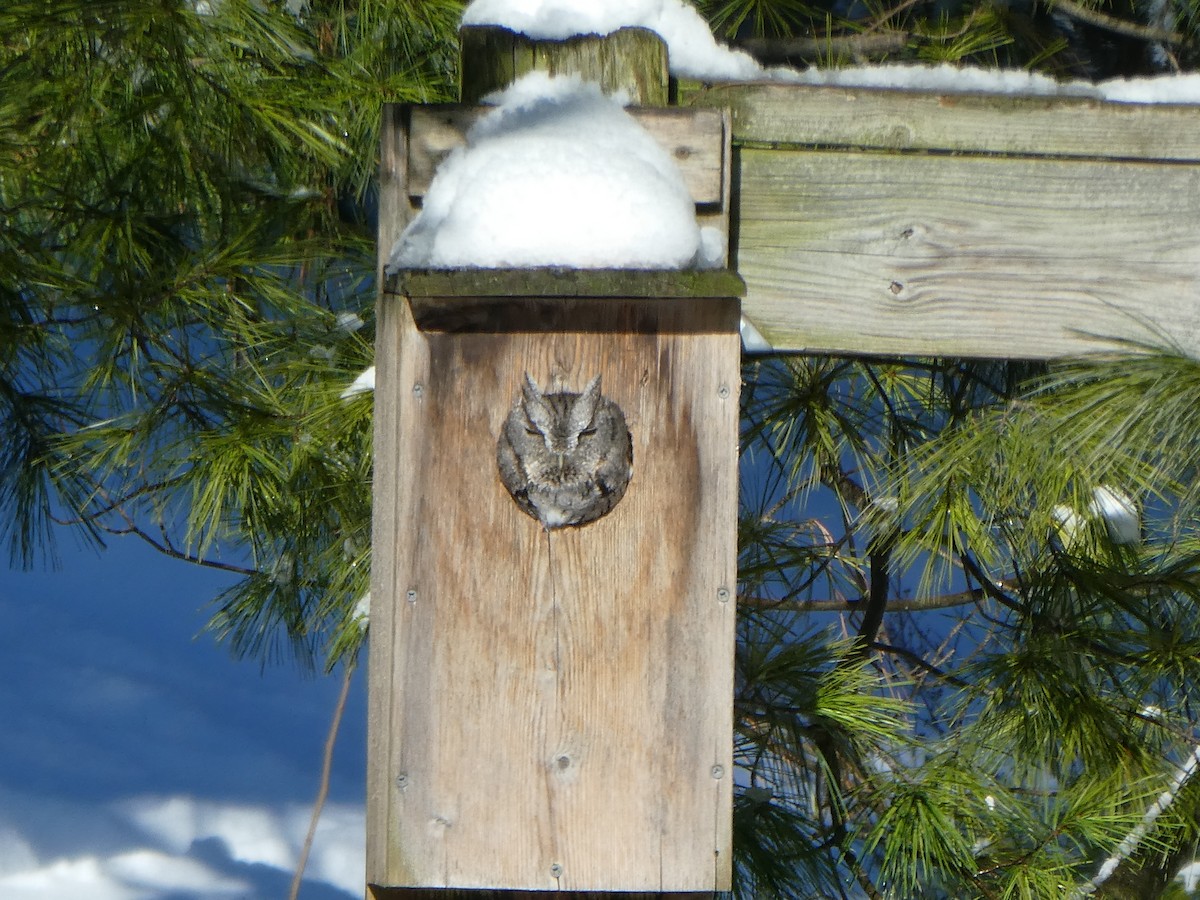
{"x":544,"y":315}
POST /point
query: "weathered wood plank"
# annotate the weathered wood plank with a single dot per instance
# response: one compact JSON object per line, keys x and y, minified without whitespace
{"x":793,"y":115}
{"x":967,"y":256}
{"x":395,"y":210}
{"x":694,"y":139}
{"x":630,"y":60}
{"x":392,"y":439}
{"x":558,"y":706}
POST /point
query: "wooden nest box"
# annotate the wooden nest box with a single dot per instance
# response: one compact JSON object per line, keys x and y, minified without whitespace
{"x":551,"y":709}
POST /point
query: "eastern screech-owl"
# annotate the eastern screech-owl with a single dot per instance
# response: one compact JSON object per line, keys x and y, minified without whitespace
{"x":566,"y":458}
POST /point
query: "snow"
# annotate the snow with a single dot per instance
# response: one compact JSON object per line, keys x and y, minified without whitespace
{"x":362,"y":611}
{"x":557,"y":174}
{"x":752,"y":339}
{"x":951,"y":79}
{"x":349,"y":322}
{"x":1120,"y":515}
{"x":363,"y":383}
{"x":1116,"y":509}
{"x":1183,"y":89}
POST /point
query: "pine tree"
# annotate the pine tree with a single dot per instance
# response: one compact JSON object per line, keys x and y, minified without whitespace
{"x":188,"y":282}
{"x":1023,"y":714}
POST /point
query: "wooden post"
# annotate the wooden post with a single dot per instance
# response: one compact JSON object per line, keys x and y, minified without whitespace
{"x":551,"y":711}
{"x":632,"y":60}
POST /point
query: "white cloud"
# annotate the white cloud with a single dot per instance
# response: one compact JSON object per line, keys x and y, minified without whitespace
{"x":251,"y":834}
{"x":16,"y":854}
{"x":137,"y":875}
{"x":139,"y":763}
{"x":258,"y":834}
{"x":157,"y":855}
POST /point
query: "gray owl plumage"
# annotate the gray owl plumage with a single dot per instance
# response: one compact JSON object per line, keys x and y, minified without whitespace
{"x":566,"y":458}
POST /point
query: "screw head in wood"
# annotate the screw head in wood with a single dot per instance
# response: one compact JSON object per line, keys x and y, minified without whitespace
{"x":723,"y":392}
{"x":418,"y":390}
{"x":411,"y":596}
{"x":556,"y":871}
{"x":718,"y":771}
{"x":723,"y":595}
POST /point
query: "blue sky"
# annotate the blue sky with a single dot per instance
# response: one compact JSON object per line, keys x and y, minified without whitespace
{"x":140,"y":761}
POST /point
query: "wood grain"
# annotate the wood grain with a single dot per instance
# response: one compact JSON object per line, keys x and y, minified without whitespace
{"x":693,"y":138}
{"x":880,"y":253}
{"x":553,"y":711}
{"x":794,"y":115}
{"x":395,"y":210}
{"x":628,"y":60}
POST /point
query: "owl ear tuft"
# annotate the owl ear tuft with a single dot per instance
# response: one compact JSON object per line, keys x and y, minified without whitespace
{"x":538,"y":413}
{"x":583,"y":410}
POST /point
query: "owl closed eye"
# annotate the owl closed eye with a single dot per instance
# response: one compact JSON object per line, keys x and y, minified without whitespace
{"x":566,"y":458}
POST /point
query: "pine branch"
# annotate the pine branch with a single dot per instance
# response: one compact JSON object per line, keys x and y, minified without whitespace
{"x":167,"y":549}
{"x":164,"y":545}
{"x":1118,"y":26}
{"x":920,"y":663}
{"x":1133,"y":840}
{"x":777,"y":51}
{"x":855,"y":604}
{"x":880,"y":562}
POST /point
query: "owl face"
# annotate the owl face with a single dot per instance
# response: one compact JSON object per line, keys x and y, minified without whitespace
{"x":565,"y":458}
{"x":560,"y":420}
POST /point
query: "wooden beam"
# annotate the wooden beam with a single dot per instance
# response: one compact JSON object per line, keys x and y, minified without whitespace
{"x":967,"y":257}
{"x":886,"y":222}
{"x":960,"y":256}
{"x":454,"y":286}
{"x":911,"y":121}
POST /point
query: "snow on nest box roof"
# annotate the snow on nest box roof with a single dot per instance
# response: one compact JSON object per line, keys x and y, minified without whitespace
{"x":557,"y":174}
